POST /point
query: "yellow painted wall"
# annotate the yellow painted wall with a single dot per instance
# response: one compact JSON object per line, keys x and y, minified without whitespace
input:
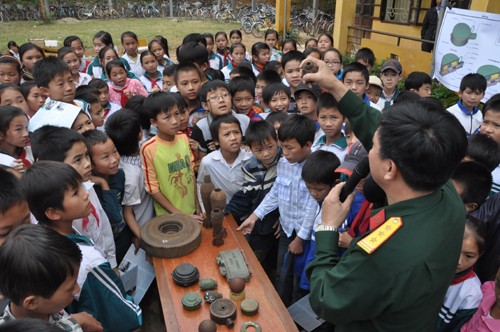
{"x":490,"y":6}
{"x":411,"y":59}
{"x":345,"y":11}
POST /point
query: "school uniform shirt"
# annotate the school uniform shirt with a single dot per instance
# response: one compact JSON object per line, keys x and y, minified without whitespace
{"x":339,"y":147}
{"x":135,"y":193}
{"x":276,"y":55}
{"x":227,"y":71}
{"x":101,"y":291}
{"x":96,"y":70}
{"x":470,"y":120}
{"x":168,"y":168}
{"x":386,"y":101}
{"x":296,"y":205}
{"x":110,"y":108}
{"x":215,"y":60}
{"x":228,"y":177}
{"x":461,"y":301}
{"x":60,"y":319}
{"x":84,"y":79}
{"x":84,"y":65}
{"x":97,"y":227}
{"x":496,"y":181}
{"x":117,"y":96}
{"x":149,"y":83}
{"x":135,"y":64}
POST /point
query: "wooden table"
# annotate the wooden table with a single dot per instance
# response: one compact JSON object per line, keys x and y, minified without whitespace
{"x":272,"y":315}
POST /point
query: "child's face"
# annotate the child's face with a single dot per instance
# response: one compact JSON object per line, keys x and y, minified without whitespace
{"x":78,"y":158}
{"x":97,"y":114}
{"x":316,"y":55}
{"x":158,"y":51}
{"x":373,"y":92}
{"x":330,"y":121}
{"x":471,"y":98}
{"x":168,"y":123}
{"x":287,"y":47}
{"x":105,"y":158}
{"x":425,"y":90}
{"x":62,"y":88}
{"x":311,"y":44}
{"x":491,"y":125}
{"x":9,"y":74}
{"x":333,"y":62}
{"x":210,"y":44}
{"x":77,"y":46}
{"x":262,"y":58}
{"x":271,"y":40}
{"x":14,"y":49}
{"x":293,"y":152}
{"x":118,"y":76}
{"x":17,"y":133}
{"x":73,"y":63}
{"x":238,"y":55}
{"x":221,"y":42}
{"x":189,"y":85}
{"x":76,"y":204}
{"x":29,"y":59}
{"x":130,"y":45}
{"x":62,"y":297}
{"x":306,"y":103}
{"x":356,"y":82}
{"x":318,"y":191}
{"x":230,"y":137}
{"x":243,"y":102}
{"x":279,"y":102}
{"x":168,"y":82}
{"x":82,"y":123}
{"x":293,"y":74}
{"x":235,"y":38}
{"x":183,"y":119}
{"x":98,"y":45}
{"x":104,"y":95}
{"x":218,"y":102}
{"x":350,"y":138}
{"x":109,"y":56}
{"x":265,"y":151}
{"x":469,"y":254}
{"x":390,"y":79}
{"x":15,"y":216}
{"x":150,"y":64}
{"x":11,"y":97}
{"x":324,"y":43}
{"x":259,"y":87}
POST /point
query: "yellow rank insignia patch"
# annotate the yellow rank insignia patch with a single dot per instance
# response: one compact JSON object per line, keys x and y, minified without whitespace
{"x":381,"y":234}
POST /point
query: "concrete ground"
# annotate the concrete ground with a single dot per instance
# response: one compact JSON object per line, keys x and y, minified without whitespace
{"x":152,"y":315}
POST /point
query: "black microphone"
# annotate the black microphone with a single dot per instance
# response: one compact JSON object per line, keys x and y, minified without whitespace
{"x":360,"y":172}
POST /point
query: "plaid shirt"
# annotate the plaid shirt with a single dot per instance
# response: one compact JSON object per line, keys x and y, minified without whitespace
{"x":61,"y":319}
{"x":289,"y":194}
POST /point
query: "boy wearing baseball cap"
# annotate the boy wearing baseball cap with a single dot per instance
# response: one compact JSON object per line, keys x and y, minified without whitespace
{"x":390,"y":74}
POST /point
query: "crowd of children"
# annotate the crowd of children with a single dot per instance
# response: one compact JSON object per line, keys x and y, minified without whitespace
{"x":96,"y":148}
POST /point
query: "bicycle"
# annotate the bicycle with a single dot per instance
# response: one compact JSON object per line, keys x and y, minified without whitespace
{"x":150,"y":10}
{"x":259,"y":28}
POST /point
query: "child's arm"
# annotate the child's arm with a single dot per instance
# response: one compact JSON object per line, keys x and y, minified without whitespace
{"x":164,"y":202}
{"x":129,"y":216}
{"x":295,"y":247}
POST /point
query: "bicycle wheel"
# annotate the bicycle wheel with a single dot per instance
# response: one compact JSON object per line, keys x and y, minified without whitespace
{"x":246,"y":24}
{"x":229,"y":18}
{"x":147,"y":12}
{"x":115,"y":14}
{"x":83,"y":14}
{"x":258,"y":29}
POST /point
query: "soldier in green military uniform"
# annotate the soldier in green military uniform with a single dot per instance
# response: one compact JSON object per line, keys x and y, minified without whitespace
{"x":395,"y":277}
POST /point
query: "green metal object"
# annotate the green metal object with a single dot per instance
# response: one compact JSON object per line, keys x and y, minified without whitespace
{"x":208,"y":284}
{"x":246,"y":325}
{"x":232,"y":264}
{"x":249,"y":307}
{"x":191,"y":301}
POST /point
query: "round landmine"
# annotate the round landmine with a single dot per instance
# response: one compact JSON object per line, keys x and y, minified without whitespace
{"x":207,"y":325}
{"x":191,"y":301}
{"x":185,"y":274}
{"x":249,"y":307}
{"x":237,"y":289}
{"x":223,"y":311}
{"x":210,"y":296}
{"x":208,"y":284}
{"x":170,"y":236}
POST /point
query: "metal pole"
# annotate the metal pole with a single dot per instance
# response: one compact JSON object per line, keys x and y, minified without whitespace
{"x":284,"y":20}
{"x":110,"y":6}
{"x":171,"y":5}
